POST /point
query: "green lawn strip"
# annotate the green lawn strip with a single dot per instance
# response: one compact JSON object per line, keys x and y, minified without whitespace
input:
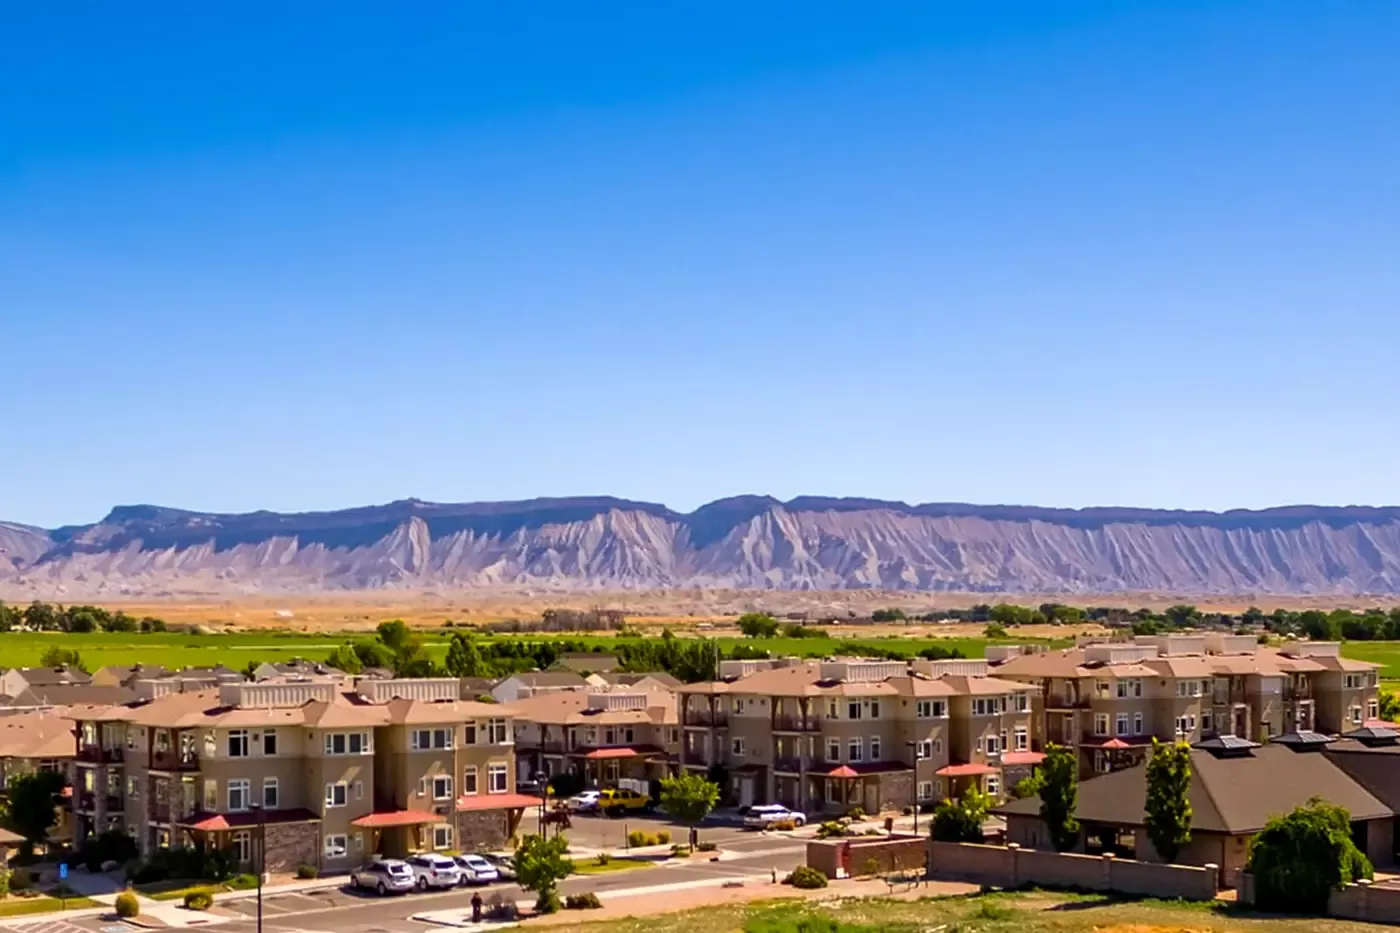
{"x":613,"y":864}
{"x":178,"y":894}
{"x":13,"y":906}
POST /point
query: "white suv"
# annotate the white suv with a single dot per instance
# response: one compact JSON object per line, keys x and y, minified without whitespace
{"x":434,"y":871}
{"x":763,"y":817}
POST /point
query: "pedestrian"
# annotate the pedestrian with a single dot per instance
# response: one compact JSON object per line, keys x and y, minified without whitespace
{"x":476,"y":907}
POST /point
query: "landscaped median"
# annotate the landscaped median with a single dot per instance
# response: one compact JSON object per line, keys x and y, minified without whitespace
{"x":14,"y":906}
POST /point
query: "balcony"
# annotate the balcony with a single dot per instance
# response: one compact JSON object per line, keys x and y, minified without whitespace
{"x":87,"y":803}
{"x":97,"y":754}
{"x":172,"y":760}
{"x":706,"y":718}
{"x":785,"y":765}
{"x":695,"y":756}
{"x":1056,"y":701}
{"x":787,"y":723}
{"x":160,"y":813}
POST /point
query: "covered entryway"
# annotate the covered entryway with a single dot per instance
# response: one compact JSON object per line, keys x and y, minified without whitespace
{"x":396,"y":833}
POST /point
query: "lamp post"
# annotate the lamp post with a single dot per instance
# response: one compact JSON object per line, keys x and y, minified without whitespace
{"x":914,"y":747}
{"x":261,"y":861}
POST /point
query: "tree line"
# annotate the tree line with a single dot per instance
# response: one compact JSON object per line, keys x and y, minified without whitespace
{"x":50,"y":617}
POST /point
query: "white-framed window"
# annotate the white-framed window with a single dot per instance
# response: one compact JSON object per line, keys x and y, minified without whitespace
{"x":736,"y":746}
{"x":239,"y":795}
{"x":442,"y":787}
{"x":993,"y":784}
{"x":238,"y":743}
{"x":1101,"y":689}
{"x":738,"y":706}
{"x":358,"y":789}
{"x":428,"y":739}
{"x":269,"y":743}
{"x":1373,"y":709}
{"x":924,"y":749}
{"x":924,"y":709}
{"x":496,"y":779}
{"x":335,"y":846}
{"x":853,"y":709}
{"x":270,"y":795}
{"x":1356,"y":715}
{"x":1023,"y":739}
{"x":337,"y":794}
{"x":874,"y":709}
{"x":442,"y":836}
{"x":831,"y":792}
{"x":470,"y":732}
{"x":855,"y":750}
{"x":833,"y":750}
{"x":1130,"y":687}
{"x":469,"y":781}
{"x":1183,"y":726}
{"x":874,"y":748}
{"x":833,"y":710}
{"x":1021,"y":702}
{"x":925,"y":790}
{"x":1102,"y":763}
{"x":1355,"y":681}
{"x":498,"y":732}
{"x":1137,"y":723}
{"x":1101,"y":724}
{"x":988,"y":706}
{"x":993,"y":745}
{"x":243,"y":846}
{"x":1121,"y":724}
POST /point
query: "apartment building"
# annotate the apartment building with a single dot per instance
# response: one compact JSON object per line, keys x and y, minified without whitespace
{"x":828,"y":736}
{"x":1109,"y":700}
{"x":37,"y":740}
{"x":602,"y":734}
{"x":332,"y":772}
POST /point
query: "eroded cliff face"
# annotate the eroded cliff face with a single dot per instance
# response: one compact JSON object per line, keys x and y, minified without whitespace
{"x":747,"y":542}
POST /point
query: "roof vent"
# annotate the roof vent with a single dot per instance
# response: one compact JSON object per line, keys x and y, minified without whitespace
{"x":1228,"y":746}
{"x":1304,"y":741}
{"x":1374,"y":736}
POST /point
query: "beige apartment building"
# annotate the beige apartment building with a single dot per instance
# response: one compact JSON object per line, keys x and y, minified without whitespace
{"x":1109,"y":700}
{"x":603,"y":734}
{"x":332,"y":772}
{"x":829,"y":736}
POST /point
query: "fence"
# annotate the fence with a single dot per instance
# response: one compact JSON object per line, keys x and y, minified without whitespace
{"x":1013,"y":867}
{"x":837,"y":858}
{"x":1372,"y":903}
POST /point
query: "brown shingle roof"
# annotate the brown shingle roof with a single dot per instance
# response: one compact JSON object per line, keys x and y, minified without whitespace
{"x":51,"y":676}
{"x":1235,"y":795}
{"x":36,"y":735}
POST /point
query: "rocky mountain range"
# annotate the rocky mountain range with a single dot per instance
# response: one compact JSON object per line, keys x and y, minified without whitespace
{"x":808,"y":543}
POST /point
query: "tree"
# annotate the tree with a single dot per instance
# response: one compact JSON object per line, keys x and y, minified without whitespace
{"x":1059,"y":796}
{"x":1390,"y":707}
{"x":689,"y":798}
{"x":34,"y":804}
{"x":1182,"y":615}
{"x":758,"y":625}
{"x":409,"y":660}
{"x":464,"y":660}
{"x":994,"y":630}
{"x":1168,"y":808}
{"x":540,"y":864}
{"x":1299,"y":859}
{"x":1029,"y":786}
{"x":56,"y":656}
{"x":961,"y":820}
{"x":41,"y":617}
{"x":344,"y":658}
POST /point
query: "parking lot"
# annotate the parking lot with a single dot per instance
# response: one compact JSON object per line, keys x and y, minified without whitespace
{"x":603,"y":832}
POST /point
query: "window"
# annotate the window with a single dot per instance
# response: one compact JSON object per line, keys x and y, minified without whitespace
{"x":1023,"y":739}
{"x":924,"y":749}
{"x":932,"y":709}
{"x":1373,"y":709}
{"x":469,"y":781}
{"x":496,"y":777}
{"x":1137,"y":723}
{"x":609,"y":736}
{"x":874,"y":709}
{"x":1183,"y":727}
{"x":925,"y":790}
{"x":243,"y":846}
{"x":993,"y":745}
{"x":855,"y":750}
{"x":993,"y":784}
{"x":1207,"y":722}
{"x":853,"y":710}
{"x":1021,"y":702}
{"x":337,"y":795}
{"x":442,"y":836}
{"x":833,"y":750}
{"x":442,"y":787}
{"x":874,"y":748}
{"x":270,"y":793}
{"x":132,"y":788}
{"x":211,"y":794}
{"x":738,"y":706}
{"x":425,"y":739}
{"x":471,"y":735}
{"x":238,"y":743}
{"x":627,"y":735}
{"x":736,"y":747}
{"x":269,"y":743}
{"x":1356,"y":715}
{"x":359,"y":788}
{"x":348,"y":743}
{"x":1131,"y":687}
{"x":238,"y":795}
{"x":833,"y":710}
{"x":1100,"y":724}
{"x":1121,"y":724}
{"x":988,"y":706}
{"x":1101,"y":689}
{"x":831,"y":792}
{"x":335,"y":846}
{"x":1355,"y":681}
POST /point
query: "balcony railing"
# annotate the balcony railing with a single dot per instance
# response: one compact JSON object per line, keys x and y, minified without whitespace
{"x":695,"y":717}
{"x":1065,"y":701}
{"x":787,"y":765}
{"x":789,"y":723}
{"x":115,"y":804}
{"x":171,"y":760}
{"x":160,"y":813}
{"x":97,"y":754}
{"x":695,"y":756}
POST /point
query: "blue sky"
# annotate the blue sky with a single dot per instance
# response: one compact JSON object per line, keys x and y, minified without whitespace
{"x":304,"y":256}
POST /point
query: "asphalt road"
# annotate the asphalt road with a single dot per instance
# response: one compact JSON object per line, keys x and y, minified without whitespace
{"x":753,"y":858}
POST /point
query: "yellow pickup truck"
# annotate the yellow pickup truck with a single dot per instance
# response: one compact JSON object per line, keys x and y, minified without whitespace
{"x":618,"y":800}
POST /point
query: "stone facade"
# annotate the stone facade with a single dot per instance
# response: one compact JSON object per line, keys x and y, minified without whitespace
{"x":482,"y":830}
{"x":292,"y":844}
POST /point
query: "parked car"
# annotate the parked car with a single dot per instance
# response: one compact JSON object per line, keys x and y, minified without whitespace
{"x":504,"y":865}
{"x":476,"y":870}
{"x":434,"y":871}
{"x":617,"y":801}
{"x":384,"y":876}
{"x":586,"y":802}
{"x":765,"y":815}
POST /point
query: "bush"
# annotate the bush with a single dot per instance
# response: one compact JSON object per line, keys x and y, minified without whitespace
{"x":587,"y":901}
{"x":832,"y":829}
{"x":199,"y":900}
{"x":806,"y":877}
{"x":21,"y":879}
{"x":663,"y":838}
{"x":127,"y":905}
{"x":111,"y":846}
{"x":1299,"y":859}
{"x":148,"y":873}
{"x":636,"y":839}
{"x":707,"y":847}
{"x":856,"y":813}
{"x":548,"y":902}
{"x":602,"y":858}
{"x":242,"y":882}
{"x":306,"y":872}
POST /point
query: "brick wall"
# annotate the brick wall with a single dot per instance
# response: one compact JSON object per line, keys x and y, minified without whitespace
{"x":1365,"y":900}
{"x":481,"y":830}
{"x":1013,"y":867}
{"x":291,"y":844}
{"x":866,"y":856}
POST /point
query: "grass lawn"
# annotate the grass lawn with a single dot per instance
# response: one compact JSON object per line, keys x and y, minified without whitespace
{"x":1385,"y":653}
{"x":994,"y":913}
{"x":18,"y":906}
{"x":178,"y":894}
{"x":591,"y":867}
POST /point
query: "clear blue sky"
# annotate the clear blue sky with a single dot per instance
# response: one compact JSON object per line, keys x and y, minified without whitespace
{"x":303,"y":256}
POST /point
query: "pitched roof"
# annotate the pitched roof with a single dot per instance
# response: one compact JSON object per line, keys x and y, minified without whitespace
{"x":1374,"y":767}
{"x":549,"y":678}
{"x":37,"y":734}
{"x":73,"y":694}
{"x":1234,"y":795}
{"x":570,"y":707}
{"x":50,"y":676}
{"x":628,"y":680}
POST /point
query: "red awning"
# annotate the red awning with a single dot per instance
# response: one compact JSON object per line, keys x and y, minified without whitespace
{"x":1115,"y":743}
{"x":633,"y":751}
{"x":497,"y":802}
{"x":964,"y":770}
{"x":859,"y":770}
{"x":396,"y":818}
{"x":1022,"y":758}
{"x":212,"y":822}
{"x":845,"y":771}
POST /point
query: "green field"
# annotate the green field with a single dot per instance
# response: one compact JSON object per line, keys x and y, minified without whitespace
{"x":1384,"y":653}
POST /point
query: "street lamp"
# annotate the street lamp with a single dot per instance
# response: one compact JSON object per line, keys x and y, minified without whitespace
{"x":914,"y":746}
{"x":262,"y":856}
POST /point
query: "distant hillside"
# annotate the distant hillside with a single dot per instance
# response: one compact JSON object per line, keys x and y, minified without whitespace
{"x":743,"y":542}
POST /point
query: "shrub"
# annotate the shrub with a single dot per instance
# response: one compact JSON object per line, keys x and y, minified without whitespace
{"x":127,"y":905}
{"x":4,"y":883}
{"x":587,"y":901}
{"x":832,"y":829}
{"x":663,"y":838}
{"x":242,"y":882}
{"x":636,"y":838}
{"x":21,"y":879}
{"x":856,"y":813}
{"x":1299,"y":859}
{"x":707,"y":847}
{"x":199,"y":900}
{"x":602,"y":858}
{"x":548,"y":902}
{"x":307,"y":871}
{"x":806,"y":877}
